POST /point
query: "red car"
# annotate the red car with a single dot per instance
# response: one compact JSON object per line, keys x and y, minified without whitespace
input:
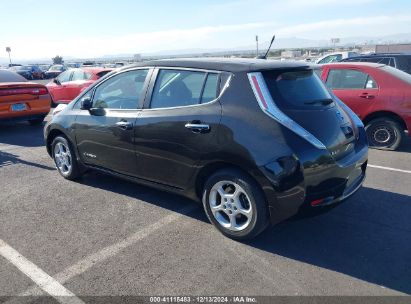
{"x":66,"y":86}
{"x":380,"y":95}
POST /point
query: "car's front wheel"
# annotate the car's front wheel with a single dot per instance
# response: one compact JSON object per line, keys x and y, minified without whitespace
{"x":65,"y":159}
{"x":235,"y":204}
{"x":384,"y":133}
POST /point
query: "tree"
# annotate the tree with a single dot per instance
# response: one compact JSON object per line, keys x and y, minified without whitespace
{"x":58,"y":60}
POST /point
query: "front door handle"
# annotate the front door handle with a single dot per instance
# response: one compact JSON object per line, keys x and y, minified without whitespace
{"x":124,"y":125}
{"x":197,"y":127}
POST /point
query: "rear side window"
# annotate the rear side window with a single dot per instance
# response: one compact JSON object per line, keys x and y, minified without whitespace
{"x":210,"y":88}
{"x":331,"y":58}
{"x":176,"y":88}
{"x":297,"y":88}
{"x":404,"y":63}
{"x":349,"y":79}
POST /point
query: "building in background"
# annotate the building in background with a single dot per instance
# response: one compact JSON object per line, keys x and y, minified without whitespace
{"x":393,"y":48}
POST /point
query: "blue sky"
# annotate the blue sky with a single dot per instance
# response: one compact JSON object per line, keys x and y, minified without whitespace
{"x":43,"y":28}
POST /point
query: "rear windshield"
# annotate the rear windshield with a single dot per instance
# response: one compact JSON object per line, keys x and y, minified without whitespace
{"x":8,"y":76}
{"x":398,"y":74}
{"x":297,"y":88}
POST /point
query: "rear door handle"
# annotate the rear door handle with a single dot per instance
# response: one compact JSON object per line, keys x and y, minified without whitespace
{"x":198,"y":127}
{"x":124,"y":125}
{"x":367,"y":96}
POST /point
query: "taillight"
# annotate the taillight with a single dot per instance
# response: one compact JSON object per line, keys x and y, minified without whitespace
{"x":19,"y":91}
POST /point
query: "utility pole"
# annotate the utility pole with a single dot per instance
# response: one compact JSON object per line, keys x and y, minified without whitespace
{"x":256,"y":41}
{"x":8,"y":50}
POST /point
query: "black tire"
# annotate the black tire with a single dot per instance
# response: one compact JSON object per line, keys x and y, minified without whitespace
{"x":384,"y":134}
{"x":37,"y":121}
{"x":254,"y":198}
{"x":74,"y":171}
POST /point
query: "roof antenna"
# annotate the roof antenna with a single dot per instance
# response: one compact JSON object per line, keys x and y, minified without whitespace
{"x":268,"y":50}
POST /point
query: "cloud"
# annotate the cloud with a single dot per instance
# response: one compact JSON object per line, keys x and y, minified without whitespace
{"x":130,"y":43}
{"x":376,"y":25}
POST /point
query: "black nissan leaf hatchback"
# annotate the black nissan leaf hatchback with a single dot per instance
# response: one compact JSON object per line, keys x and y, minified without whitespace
{"x":255,"y":140}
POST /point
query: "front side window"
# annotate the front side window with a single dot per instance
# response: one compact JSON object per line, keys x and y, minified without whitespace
{"x":349,"y":79}
{"x":64,"y":77}
{"x":122,"y":91}
{"x":176,"y":88}
{"x":78,"y":75}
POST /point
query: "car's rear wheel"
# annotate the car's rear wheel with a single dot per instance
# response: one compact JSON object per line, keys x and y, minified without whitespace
{"x":65,"y":159}
{"x":37,"y":121}
{"x":384,"y":133}
{"x":235,"y":204}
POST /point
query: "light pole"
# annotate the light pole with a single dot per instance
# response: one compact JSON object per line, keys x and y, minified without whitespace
{"x":8,"y":50}
{"x":256,"y":41}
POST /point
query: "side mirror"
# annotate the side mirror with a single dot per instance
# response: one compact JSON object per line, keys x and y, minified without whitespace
{"x":86,"y":103}
{"x":56,"y":81}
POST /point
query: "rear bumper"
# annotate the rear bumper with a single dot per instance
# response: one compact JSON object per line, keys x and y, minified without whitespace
{"x":312,"y":180}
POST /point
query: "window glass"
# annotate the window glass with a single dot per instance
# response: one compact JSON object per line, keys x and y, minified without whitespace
{"x":122,"y":91}
{"x":210,"y":88}
{"x":297,"y":88}
{"x":347,"y":79}
{"x":64,"y":77}
{"x":8,"y":76}
{"x":78,"y":75}
{"x":331,"y":58}
{"x":176,"y":88}
{"x":403,"y":63}
{"x":87,"y":75}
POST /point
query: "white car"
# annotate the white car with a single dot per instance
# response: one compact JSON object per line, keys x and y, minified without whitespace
{"x":334,"y":57}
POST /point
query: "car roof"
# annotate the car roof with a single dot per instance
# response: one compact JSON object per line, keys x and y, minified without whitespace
{"x":357,"y":64}
{"x":224,"y":64}
{"x":93,"y":70}
{"x":374,"y":55}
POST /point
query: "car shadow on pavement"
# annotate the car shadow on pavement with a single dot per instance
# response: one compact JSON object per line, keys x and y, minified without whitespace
{"x":405,"y":145}
{"x":162,"y":199}
{"x":8,"y":159}
{"x":21,"y":134}
{"x":368,"y":237}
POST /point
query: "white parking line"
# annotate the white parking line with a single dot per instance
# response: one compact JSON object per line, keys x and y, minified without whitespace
{"x":390,"y":169}
{"x":111,"y":250}
{"x":38,"y":276}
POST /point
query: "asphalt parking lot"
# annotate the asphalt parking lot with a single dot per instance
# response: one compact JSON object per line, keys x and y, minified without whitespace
{"x":104,"y":236}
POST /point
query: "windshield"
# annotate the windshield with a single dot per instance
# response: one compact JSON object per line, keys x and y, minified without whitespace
{"x":20,"y":68}
{"x":56,"y":68}
{"x":297,"y":88}
{"x":398,"y":74}
{"x":7,"y":76}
